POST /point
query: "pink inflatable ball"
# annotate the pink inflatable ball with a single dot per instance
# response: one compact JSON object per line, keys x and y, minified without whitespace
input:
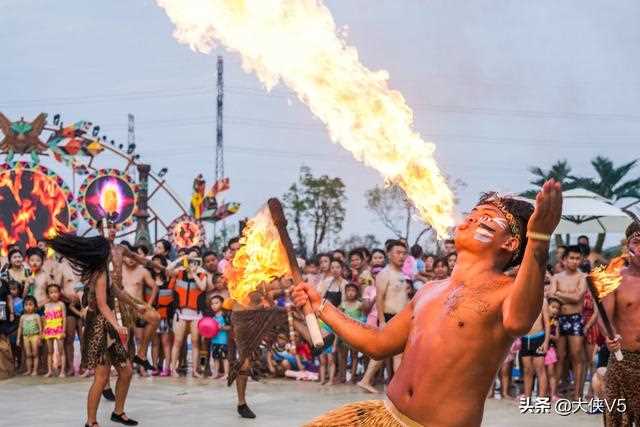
{"x":208,"y":327}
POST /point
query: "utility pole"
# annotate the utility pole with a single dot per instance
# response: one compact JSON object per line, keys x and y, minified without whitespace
{"x":219,"y":130}
{"x":219,"y":123}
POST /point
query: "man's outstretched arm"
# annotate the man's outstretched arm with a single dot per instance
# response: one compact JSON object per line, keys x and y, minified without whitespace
{"x":376,"y":343}
{"x":524,"y":302}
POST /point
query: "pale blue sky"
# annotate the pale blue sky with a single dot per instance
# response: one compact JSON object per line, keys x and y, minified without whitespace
{"x":497,"y":85}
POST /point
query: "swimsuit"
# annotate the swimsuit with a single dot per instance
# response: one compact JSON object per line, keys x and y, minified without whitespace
{"x":571,"y":325}
{"x":30,"y":329}
{"x":53,"y":320}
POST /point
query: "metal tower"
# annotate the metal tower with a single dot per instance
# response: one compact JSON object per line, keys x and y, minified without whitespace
{"x":131,"y":135}
{"x":219,"y":134}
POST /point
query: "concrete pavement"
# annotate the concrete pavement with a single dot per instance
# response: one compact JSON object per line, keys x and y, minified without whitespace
{"x":26,"y":401}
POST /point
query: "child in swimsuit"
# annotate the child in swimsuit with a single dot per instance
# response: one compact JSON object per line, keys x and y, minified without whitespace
{"x":53,"y":331}
{"x":551,"y":358}
{"x":352,"y":307}
{"x":29,"y":331}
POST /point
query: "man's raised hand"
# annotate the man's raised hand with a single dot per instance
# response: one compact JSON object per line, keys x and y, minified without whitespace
{"x":548,"y":210}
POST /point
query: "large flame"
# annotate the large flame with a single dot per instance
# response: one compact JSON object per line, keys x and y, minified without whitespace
{"x":607,"y":279}
{"x":260,"y":259}
{"x":296,"y":41}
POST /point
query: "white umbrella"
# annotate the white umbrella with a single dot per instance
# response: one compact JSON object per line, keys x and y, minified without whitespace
{"x":586,"y":212}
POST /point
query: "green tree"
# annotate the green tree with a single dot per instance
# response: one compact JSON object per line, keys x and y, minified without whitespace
{"x":612,"y":183}
{"x":315,"y":210}
{"x":396,"y":212}
{"x":560,"y":171}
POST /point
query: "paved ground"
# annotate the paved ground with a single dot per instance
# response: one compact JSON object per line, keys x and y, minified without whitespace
{"x":188,"y":403}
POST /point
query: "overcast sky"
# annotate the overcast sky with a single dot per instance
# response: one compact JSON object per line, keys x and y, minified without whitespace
{"x":497,"y":85}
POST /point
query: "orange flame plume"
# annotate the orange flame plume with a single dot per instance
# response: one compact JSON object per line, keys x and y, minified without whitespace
{"x":607,"y":279}
{"x":297,"y":42}
{"x":260,"y":259}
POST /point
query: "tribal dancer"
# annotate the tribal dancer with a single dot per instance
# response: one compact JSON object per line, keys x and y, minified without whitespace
{"x":455,"y":332}
{"x":622,"y":378}
{"x":102,"y":346}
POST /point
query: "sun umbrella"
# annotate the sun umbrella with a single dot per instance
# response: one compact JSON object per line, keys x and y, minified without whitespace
{"x":586,"y":212}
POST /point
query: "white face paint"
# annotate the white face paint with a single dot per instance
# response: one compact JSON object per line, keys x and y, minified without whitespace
{"x":485,"y":233}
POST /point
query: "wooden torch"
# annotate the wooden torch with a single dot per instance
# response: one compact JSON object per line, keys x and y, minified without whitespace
{"x":603,"y":314}
{"x":279,"y":220}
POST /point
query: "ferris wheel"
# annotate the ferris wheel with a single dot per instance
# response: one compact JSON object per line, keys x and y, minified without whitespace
{"x":38,"y":159}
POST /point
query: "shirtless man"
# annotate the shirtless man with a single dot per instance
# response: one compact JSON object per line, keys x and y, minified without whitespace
{"x":623,"y":308}
{"x":569,"y":287}
{"x":534,"y":346}
{"x":71,"y":285}
{"x":456,"y":332}
{"x":134,"y":279}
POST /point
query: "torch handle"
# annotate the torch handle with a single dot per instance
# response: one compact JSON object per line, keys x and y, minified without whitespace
{"x":277,"y":214}
{"x":603,"y":315}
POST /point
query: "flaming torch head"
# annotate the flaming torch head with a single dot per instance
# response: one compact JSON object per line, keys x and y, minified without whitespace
{"x":607,"y":279}
{"x":260,"y":259}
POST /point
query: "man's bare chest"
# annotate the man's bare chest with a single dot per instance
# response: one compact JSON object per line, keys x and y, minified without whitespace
{"x":628,"y":296}
{"x":459,"y":305}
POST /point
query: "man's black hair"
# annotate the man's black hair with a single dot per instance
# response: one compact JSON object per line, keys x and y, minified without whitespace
{"x":209,"y":253}
{"x":35,"y":251}
{"x":572,"y":249}
{"x":232,"y":241}
{"x":356,"y":252}
{"x":393,"y":243}
{"x":633,"y":228}
{"x":521,"y":211}
{"x":583,"y":237}
{"x":450,"y":241}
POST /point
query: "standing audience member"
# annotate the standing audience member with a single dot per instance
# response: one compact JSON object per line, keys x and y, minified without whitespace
{"x":29,"y":332}
{"x":551,"y":358}
{"x":352,"y":306}
{"x":569,"y":287}
{"x":219,"y":342}
{"x":53,"y":330}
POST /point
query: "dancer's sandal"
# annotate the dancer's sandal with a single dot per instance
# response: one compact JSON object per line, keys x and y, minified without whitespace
{"x":120,"y":419}
{"x":142,"y":363}
{"x":92,"y":424}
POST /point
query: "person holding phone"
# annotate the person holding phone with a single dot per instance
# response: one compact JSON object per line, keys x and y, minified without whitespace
{"x":188,"y":282}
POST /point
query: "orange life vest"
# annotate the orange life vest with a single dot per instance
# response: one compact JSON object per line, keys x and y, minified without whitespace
{"x":187,"y":290}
